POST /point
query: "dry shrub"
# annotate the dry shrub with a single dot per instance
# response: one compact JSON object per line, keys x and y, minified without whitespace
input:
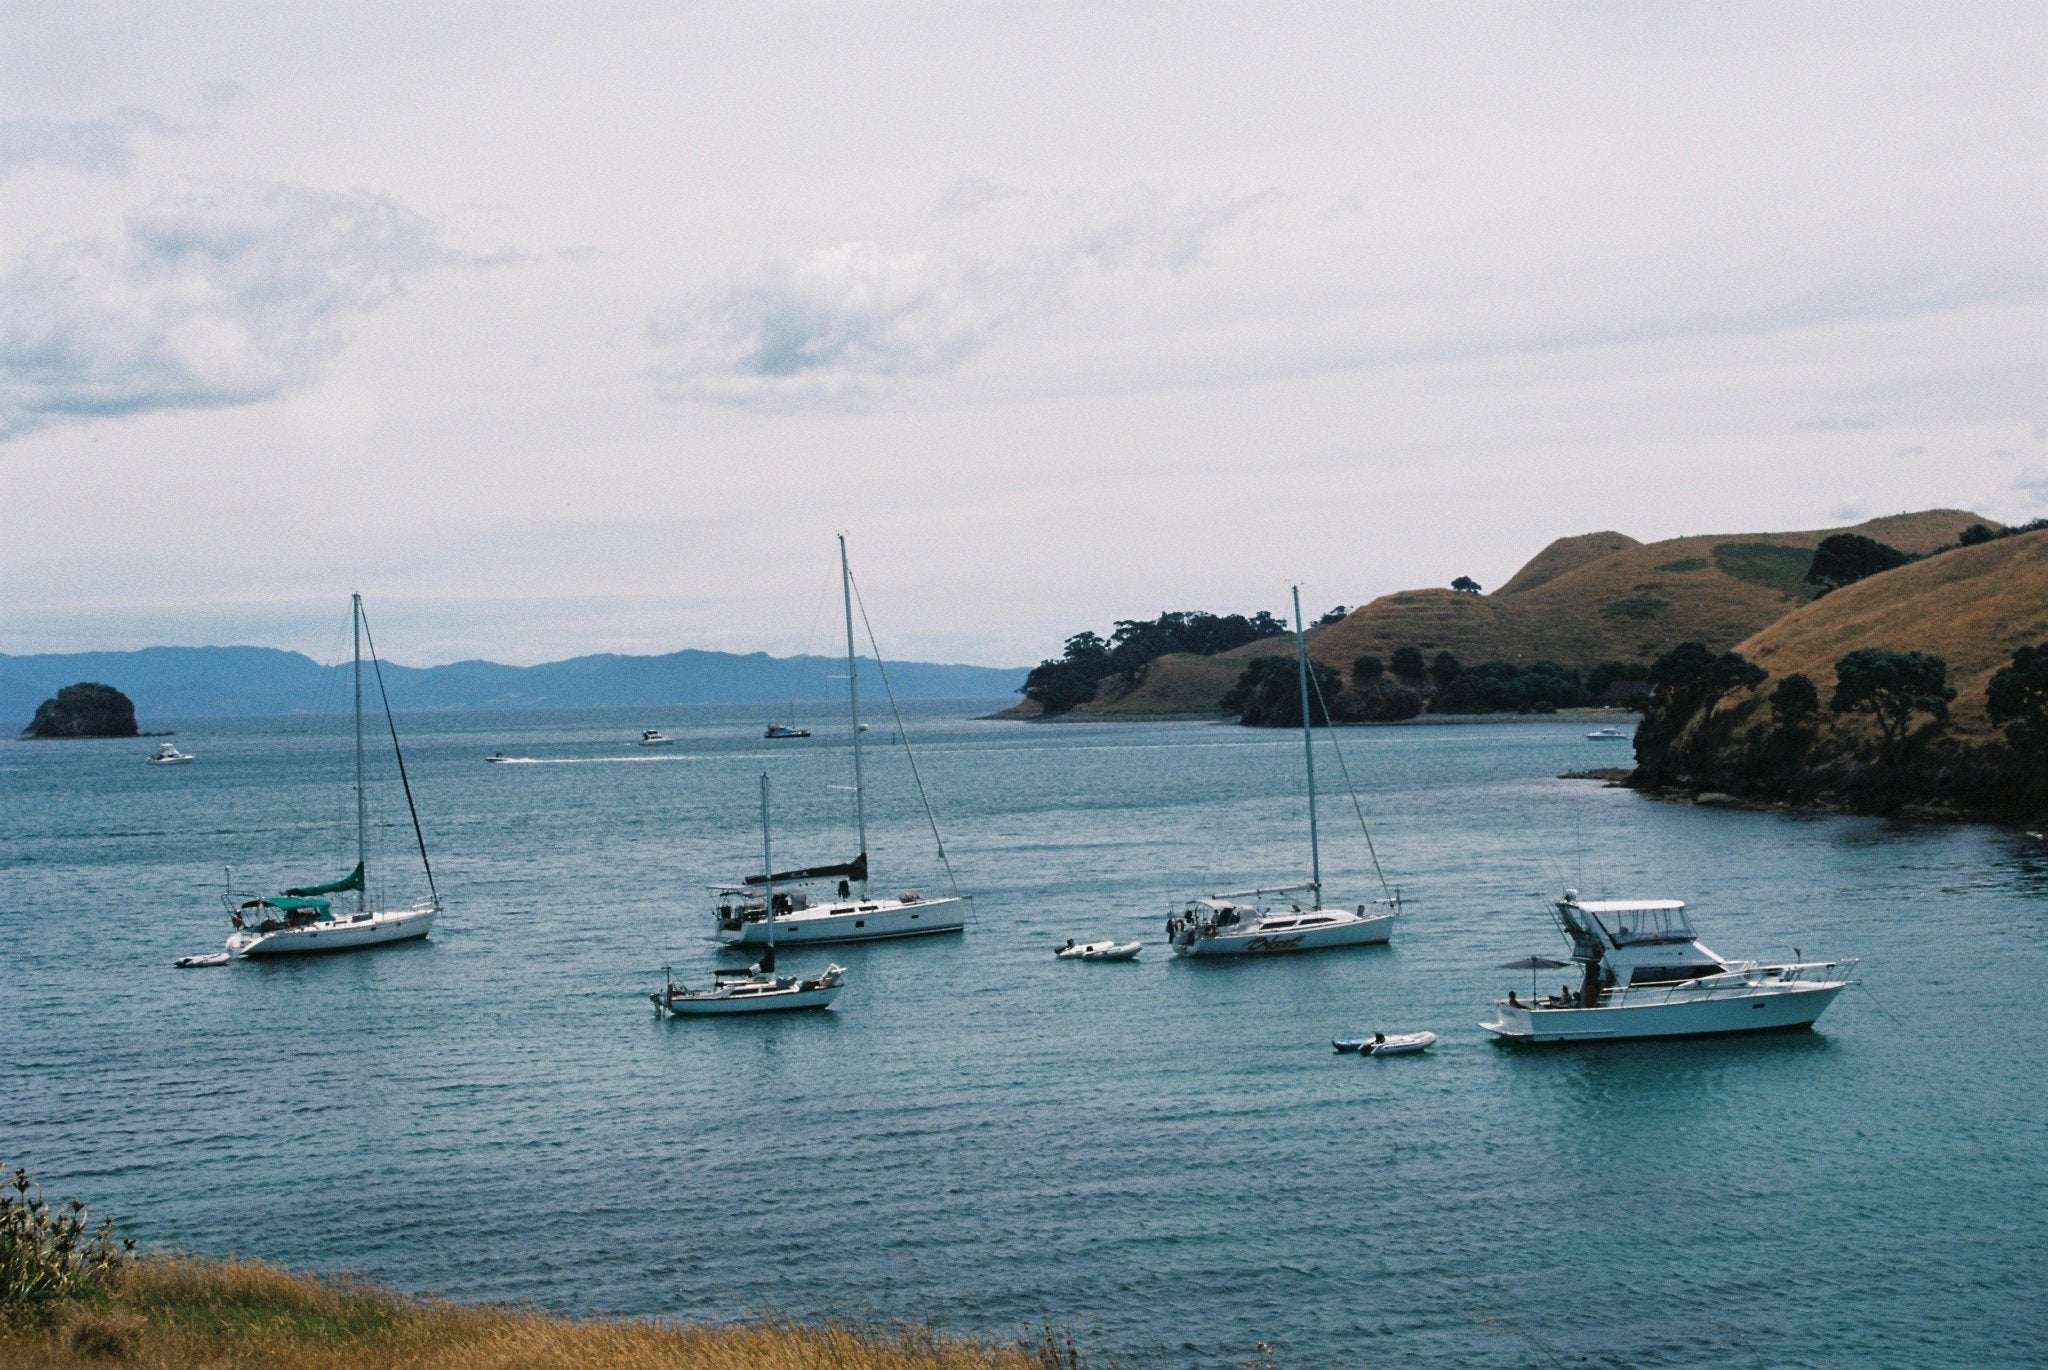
{"x":95,"y":1333}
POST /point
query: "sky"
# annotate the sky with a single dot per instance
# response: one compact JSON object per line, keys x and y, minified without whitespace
{"x":557,"y":329}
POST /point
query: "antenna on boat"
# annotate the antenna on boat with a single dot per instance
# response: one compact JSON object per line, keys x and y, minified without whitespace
{"x":1308,"y":747}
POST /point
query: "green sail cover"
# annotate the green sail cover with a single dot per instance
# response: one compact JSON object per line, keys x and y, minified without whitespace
{"x":352,"y":881}
{"x":287,"y":904}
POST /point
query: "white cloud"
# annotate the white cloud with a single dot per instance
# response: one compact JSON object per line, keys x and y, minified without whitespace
{"x":842,"y":323}
{"x":99,"y":146}
{"x":215,"y":293}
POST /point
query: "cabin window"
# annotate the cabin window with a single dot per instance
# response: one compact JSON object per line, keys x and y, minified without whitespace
{"x":1668,"y":975}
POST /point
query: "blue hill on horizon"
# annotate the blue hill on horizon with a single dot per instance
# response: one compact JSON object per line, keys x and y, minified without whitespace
{"x":214,"y":682}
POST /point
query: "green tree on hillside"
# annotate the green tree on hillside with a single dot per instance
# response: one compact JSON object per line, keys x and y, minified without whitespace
{"x":1445,"y":669}
{"x":1845,"y":558}
{"x":1465,"y":585}
{"x":1367,"y":667}
{"x":1268,"y":693}
{"x":1407,"y":663}
{"x":2018,"y":698}
{"x":1892,"y":687}
{"x":1795,"y":702}
{"x":1336,"y":615}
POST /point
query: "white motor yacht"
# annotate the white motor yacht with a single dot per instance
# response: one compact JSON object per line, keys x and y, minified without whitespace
{"x":1226,"y":925}
{"x":780,"y":730}
{"x":850,"y":914}
{"x":167,"y":754}
{"x":1607,"y":735}
{"x":1642,"y":973}
{"x":654,"y":737}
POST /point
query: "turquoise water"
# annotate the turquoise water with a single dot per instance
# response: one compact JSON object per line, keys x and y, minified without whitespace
{"x":1165,"y":1157}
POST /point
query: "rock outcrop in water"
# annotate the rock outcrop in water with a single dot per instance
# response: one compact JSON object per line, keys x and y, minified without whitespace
{"x":86,"y":709}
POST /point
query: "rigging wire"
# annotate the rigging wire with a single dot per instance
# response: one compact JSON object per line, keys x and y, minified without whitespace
{"x":1349,"y":788}
{"x":399,"y":752}
{"x":903,"y":734}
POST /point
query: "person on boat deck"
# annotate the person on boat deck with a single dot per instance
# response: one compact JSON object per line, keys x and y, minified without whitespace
{"x":1513,"y":1002}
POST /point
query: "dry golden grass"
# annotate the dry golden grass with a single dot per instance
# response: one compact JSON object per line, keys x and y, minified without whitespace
{"x":1582,"y":600}
{"x":1566,"y":554}
{"x":179,"y":1312}
{"x":1971,"y":607}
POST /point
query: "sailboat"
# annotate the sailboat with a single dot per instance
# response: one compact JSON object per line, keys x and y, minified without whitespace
{"x":847,"y":913}
{"x":1244,"y":923}
{"x":757,"y":989}
{"x":303,"y":919}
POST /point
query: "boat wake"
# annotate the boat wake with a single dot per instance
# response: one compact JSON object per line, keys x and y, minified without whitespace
{"x":586,"y":760}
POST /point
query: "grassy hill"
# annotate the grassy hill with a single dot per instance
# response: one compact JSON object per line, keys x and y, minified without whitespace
{"x":1971,"y":607}
{"x":1580,"y":601}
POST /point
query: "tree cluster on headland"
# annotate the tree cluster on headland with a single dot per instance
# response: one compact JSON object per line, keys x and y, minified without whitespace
{"x":86,"y":709}
{"x":1920,"y":685}
{"x":1078,"y":674}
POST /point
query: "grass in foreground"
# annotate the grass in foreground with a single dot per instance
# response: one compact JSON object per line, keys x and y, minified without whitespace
{"x":176,"y":1311}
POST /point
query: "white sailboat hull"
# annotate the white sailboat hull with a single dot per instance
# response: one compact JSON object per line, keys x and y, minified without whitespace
{"x":340,"y":934}
{"x":1637,"y":1013}
{"x":1348,"y":930}
{"x":868,"y":921}
{"x":780,"y":1001}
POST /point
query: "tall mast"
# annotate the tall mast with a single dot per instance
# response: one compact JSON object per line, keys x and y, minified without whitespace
{"x":768,"y":866}
{"x":860,"y":814}
{"x":1308,"y":747}
{"x":362,"y":801}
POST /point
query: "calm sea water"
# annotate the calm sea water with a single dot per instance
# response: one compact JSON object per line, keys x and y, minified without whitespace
{"x":1164,"y":1157}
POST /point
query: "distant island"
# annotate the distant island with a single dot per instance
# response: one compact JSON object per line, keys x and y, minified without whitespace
{"x":214,"y":682}
{"x":86,"y":709}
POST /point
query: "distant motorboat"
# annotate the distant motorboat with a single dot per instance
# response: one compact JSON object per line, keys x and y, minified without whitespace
{"x":654,"y":737}
{"x":1643,"y":973}
{"x":167,"y":754}
{"x":786,"y":730}
{"x":497,"y":756}
{"x":1388,"y":1044}
{"x":1607,"y":735}
{"x":1099,"y":951}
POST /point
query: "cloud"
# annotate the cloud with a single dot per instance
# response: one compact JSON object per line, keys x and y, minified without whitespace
{"x":1855,"y":424}
{"x":98,"y":146}
{"x":215,"y":293}
{"x":971,"y":193}
{"x":846,"y":322}
{"x":2034,"y":485}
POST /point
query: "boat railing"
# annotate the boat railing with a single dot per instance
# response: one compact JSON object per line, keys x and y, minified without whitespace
{"x":1747,"y":977}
